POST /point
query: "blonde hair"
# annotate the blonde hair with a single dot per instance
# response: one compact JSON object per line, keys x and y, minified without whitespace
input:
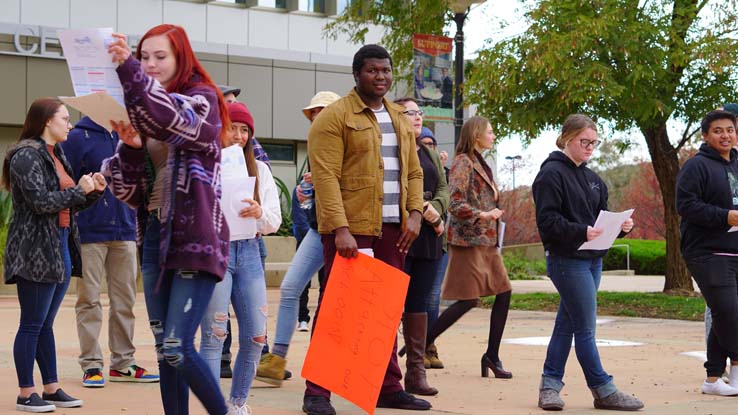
{"x":573,"y":125}
{"x":473,"y":128}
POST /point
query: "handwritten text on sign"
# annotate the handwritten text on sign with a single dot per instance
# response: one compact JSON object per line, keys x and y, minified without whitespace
{"x":356,"y":331}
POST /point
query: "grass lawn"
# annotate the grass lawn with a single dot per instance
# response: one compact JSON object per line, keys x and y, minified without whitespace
{"x":628,"y":304}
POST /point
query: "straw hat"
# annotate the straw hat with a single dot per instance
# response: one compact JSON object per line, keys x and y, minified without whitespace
{"x":321,"y":100}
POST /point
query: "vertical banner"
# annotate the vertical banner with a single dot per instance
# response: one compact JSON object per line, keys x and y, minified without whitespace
{"x":354,"y":336}
{"x":434,"y":87}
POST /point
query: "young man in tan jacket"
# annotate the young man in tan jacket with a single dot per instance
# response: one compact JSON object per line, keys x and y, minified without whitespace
{"x":368,"y":192}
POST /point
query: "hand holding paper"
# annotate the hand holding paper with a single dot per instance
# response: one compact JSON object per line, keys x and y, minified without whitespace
{"x":606,"y":229}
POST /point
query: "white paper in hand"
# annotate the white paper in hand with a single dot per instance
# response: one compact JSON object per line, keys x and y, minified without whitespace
{"x":610,"y":223}
{"x":733,"y":229}
{"x":236,"y":186}
{"x":90,"y":66}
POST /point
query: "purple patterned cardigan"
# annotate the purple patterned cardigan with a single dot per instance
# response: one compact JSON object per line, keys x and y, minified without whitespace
{"x":194,"y":233}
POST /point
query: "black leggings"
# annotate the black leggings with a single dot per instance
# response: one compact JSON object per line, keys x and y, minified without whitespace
{"x":717,"y":277}
{"x":497,"y":320}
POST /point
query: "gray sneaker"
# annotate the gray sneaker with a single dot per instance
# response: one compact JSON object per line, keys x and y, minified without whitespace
{"x":549,"y":400}
{"x":619,"y":401}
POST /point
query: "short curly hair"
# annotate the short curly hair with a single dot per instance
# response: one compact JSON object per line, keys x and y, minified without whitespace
{"x":369,"y":52}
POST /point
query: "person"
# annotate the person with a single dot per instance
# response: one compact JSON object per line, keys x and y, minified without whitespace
{"x":108,"y":235}
{"x":447,"y":89}
{"x":243,"y":285}
{"x":475,"y":267}
{"x":42,"y":249}
{"x":707,"y":202}
{"x":421,"y":262}
{"x":167,"y":167}
{"x":568,"y":197}
{"x":307,"y":261}
{"x":349,"y":139}
{"x":230,"y":94}
{"x":433,"y":301}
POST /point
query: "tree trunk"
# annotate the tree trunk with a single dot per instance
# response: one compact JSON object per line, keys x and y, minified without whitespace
{"x":666,"y":166}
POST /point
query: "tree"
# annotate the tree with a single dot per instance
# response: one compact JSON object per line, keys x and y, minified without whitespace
{"x":519,"y":217}
{"x":634,"y":63}
{"x":400,"y":18}
{"x":643,"y":193}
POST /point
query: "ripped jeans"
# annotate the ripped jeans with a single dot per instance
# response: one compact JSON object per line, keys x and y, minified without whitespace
{"x":175,"y":311}
{"x":243,"y":286}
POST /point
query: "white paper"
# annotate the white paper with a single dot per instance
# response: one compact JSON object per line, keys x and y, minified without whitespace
{"x":610,"y":223}
{"x":236,"y":185}
{"x":500,"y":236}
{"x":367,"y":252}
{"x":733,"y":229}
{"x":100,"y":107}
{"x":90,"y":66}
{"x":233,"y":162}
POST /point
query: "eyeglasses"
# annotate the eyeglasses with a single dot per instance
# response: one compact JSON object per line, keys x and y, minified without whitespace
{"x":412,"y":113}
{"x":428,"y":143}
{"x":589,"y":143}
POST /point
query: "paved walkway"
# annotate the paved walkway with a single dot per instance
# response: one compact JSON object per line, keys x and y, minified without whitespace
{"x":655,"y":371}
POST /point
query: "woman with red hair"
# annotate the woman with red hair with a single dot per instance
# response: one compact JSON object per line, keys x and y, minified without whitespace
{"x":167,"y":167}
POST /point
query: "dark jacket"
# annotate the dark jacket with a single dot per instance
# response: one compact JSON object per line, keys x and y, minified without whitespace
{"x":568,"y":199}
{"x":33,"y":250}
{"x":87,"y":145}
{"x":706,"y":189}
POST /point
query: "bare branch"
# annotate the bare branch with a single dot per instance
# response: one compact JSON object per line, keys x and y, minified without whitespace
{"x":686,"y":135}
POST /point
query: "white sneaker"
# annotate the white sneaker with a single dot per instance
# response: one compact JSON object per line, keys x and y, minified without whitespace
{"x":303,"y":326}
{"x":238,"y":410}
{"x":733,"y":376}
{"x":718,"y":388}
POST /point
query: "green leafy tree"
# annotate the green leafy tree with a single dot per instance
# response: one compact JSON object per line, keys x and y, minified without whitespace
{"x":400,"y":18}
{"x":632,"y":63}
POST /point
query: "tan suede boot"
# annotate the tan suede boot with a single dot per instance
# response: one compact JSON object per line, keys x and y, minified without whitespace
{"x":414,"y":327}
{"x":431,"y":353}
{"x":271,"y":369}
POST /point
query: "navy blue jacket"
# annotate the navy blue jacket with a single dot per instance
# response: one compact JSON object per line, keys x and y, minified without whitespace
{"x":568,"y":199}
{"x":87,"y":145}
{"x":706,"y":189}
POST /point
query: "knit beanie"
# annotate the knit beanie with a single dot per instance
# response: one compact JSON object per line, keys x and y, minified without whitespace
{"x":239,"y":112}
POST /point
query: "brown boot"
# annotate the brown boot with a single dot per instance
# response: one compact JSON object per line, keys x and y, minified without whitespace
{"x":414,"y":327}
{"x":431,"y":353}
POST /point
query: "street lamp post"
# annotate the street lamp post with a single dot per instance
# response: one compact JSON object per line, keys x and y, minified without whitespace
{"x":461,"y":10}
{"x":513,"y":158}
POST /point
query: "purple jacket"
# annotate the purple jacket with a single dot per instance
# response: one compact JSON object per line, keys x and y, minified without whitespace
{"x":194,"y":233}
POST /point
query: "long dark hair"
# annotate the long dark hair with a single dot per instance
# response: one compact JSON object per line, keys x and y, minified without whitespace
{"x":40,"y":112}
{"x":248,"y":153}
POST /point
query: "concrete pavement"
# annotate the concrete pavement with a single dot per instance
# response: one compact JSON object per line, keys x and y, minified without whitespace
{"x":656,"y":371}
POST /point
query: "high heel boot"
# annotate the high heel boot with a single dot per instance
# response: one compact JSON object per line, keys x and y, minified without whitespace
{"x":496,"y":367}
{"x":414,"y":328}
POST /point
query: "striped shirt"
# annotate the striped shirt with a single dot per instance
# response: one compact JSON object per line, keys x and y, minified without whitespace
{"x":391,"y":161}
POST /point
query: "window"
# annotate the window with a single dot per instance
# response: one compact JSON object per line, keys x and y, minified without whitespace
{"x":280,"y":152}
{"x":315,"y":6}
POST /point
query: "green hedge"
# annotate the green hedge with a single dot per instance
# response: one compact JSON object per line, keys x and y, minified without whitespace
{"x":646,"y":257}
{"x":521,"y":268}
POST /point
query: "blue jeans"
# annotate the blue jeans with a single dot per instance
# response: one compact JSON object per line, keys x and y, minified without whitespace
{"x":307,"y":261}
{"x":243,"y":286}
{"x":577,"y":281}
{"x":39,"y":303}
{"x":433,"y":304}
{"x":175,"y":311}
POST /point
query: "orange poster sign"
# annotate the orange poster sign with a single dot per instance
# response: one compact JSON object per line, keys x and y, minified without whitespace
{"x":356,"y":331}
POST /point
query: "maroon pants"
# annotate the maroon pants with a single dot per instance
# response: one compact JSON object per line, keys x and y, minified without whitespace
{"x":385,"y":249}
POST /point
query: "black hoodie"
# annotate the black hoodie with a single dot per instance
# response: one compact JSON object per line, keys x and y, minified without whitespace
{"x":568,"y":199}
{"x":706,"y":189}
